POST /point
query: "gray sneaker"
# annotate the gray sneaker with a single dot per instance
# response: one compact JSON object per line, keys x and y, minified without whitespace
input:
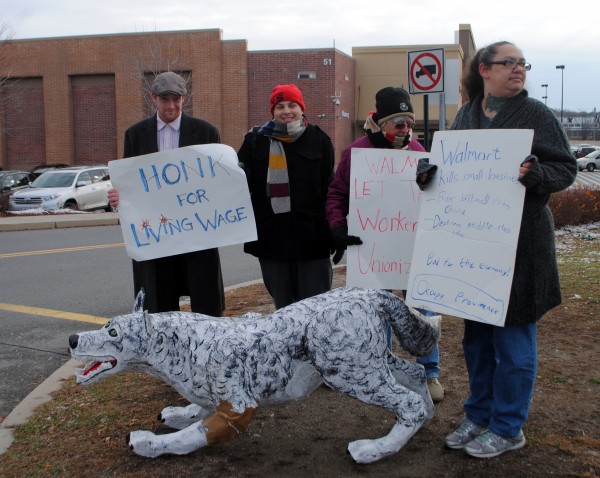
{"x":489,"y":445}
{"x":465,"y":432}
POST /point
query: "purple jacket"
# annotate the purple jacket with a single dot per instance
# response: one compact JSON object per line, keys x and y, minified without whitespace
{"x":338,"y":195}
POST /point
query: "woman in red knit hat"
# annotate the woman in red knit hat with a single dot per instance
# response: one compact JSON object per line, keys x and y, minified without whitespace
{"x":289,"y":165}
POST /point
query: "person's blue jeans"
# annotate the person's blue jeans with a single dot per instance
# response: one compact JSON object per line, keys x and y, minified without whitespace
{"x":502,"y":365}
{"x":430,"y":362}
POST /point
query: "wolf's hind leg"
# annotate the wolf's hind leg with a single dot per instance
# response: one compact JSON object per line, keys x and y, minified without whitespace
{"x":411,"y":414}
{"x":366,"y":384}
{"x":412,"y":376}
{"x":181,"y":417}
{"x":368,"y":451}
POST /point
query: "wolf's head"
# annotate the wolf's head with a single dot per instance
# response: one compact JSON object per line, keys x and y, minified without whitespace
{"x":120,"y":345}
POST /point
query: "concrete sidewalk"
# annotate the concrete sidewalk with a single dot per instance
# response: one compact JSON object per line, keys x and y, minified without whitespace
{"x":56,"y":221}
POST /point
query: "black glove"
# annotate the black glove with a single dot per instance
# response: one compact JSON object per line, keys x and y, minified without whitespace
{"x":337,"y":255}
{"x":425,"y":173}
{"x":341,"y":240}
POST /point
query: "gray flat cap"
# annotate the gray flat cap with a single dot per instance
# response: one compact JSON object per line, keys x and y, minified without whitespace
{"x":169,"y":82}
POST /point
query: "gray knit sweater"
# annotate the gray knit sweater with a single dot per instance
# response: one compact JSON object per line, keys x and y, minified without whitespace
{"x":535,"y":287}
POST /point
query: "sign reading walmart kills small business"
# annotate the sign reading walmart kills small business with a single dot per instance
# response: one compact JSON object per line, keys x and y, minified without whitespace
{"x":182,"y":200}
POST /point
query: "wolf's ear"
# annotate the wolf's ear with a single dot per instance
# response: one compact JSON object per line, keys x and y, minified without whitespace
{"x":138,"y":305}
{"x":148,"y":322}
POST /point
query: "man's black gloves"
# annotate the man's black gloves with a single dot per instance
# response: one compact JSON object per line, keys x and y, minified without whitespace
{"x":425,"y":173}
{"x":341,"y":240}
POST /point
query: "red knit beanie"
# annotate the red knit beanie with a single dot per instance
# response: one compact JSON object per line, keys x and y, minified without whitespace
{"x":286,"y":93}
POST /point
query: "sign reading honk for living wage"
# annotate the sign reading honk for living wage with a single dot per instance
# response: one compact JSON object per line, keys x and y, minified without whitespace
{"x":182,"y":200}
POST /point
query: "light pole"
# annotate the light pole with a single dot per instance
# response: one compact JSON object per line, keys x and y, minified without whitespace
{"x":562,"y":75}
{"x":545,"y":98}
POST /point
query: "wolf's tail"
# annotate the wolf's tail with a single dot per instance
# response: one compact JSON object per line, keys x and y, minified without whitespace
{"x":416,"y":332}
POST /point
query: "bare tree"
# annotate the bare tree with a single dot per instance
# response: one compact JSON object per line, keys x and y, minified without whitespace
{"x":7,"y":60}
{"x":160,"y":54}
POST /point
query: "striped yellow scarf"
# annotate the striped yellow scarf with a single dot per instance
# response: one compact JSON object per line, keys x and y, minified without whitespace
{"x":278,"y":181}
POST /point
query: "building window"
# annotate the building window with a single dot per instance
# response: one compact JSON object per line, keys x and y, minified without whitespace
{"x":307,"y":75}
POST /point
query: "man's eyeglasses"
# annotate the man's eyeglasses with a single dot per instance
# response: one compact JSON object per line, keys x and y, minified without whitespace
{"x":408,"y":124}
{"x":512,"y":64}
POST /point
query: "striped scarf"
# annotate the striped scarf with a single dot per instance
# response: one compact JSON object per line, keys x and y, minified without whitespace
{"x":278,"y":181}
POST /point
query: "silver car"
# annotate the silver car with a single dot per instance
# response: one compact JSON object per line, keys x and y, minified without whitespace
{"x":82,"y":188}
{"x":589,"y":162}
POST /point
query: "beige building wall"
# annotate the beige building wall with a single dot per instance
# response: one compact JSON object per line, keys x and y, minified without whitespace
{"x":381,"y":66}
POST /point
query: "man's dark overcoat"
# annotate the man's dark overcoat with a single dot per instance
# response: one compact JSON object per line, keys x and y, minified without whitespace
{"x":194,"y":274}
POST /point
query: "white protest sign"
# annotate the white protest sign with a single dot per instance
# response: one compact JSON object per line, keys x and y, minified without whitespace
{"x":182,"y":200}
{"x":383,"y":212}
{"x":464,"y":256}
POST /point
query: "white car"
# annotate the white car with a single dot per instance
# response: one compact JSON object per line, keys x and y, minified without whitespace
{"x":589,"y":162}
{"x":82,"y":188}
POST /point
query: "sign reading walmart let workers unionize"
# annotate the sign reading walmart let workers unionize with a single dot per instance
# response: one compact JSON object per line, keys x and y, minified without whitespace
{"x":383,"y":212}
{"x":464,"y":256}
{"x":182,"y":200}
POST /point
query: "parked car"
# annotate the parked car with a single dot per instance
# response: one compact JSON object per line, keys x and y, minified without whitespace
{"x":82,"y":188}
{"x":589,"y":162}
{"x":42,"y":168}
{"x":10,"y":183}
{"x":585,"y":150}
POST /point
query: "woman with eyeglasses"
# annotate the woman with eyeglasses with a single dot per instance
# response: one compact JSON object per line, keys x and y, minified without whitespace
{"x":502,"y":361}
{"x":389,"y":127}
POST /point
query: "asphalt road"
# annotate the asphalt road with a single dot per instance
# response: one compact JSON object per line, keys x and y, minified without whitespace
{"x":48,"y":278}
{"x":587,"y":179}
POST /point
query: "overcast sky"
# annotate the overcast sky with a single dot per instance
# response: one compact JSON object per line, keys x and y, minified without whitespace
{"x":560,"y":33}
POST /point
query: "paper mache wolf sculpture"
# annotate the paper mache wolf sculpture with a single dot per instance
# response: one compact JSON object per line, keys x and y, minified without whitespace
{"x":227,"y":367}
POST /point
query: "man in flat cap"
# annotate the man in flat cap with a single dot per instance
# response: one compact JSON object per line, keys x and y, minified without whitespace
{"x":194,"y":274}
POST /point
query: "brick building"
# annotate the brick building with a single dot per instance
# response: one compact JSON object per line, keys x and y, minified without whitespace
{"x":326,"y":79}
{"x":70,"y":99}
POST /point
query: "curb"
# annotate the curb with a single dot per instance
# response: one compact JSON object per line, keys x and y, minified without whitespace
{"x":42,"y":394}
{"x":57,"y":221}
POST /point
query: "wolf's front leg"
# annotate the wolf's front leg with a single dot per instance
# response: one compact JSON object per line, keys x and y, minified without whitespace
{"x":182,"y":442}
{"x":223,"y":425}
{"x":181,"y":417}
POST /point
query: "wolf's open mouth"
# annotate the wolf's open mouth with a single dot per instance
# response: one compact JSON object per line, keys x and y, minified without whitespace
{"x":94,"y":368}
